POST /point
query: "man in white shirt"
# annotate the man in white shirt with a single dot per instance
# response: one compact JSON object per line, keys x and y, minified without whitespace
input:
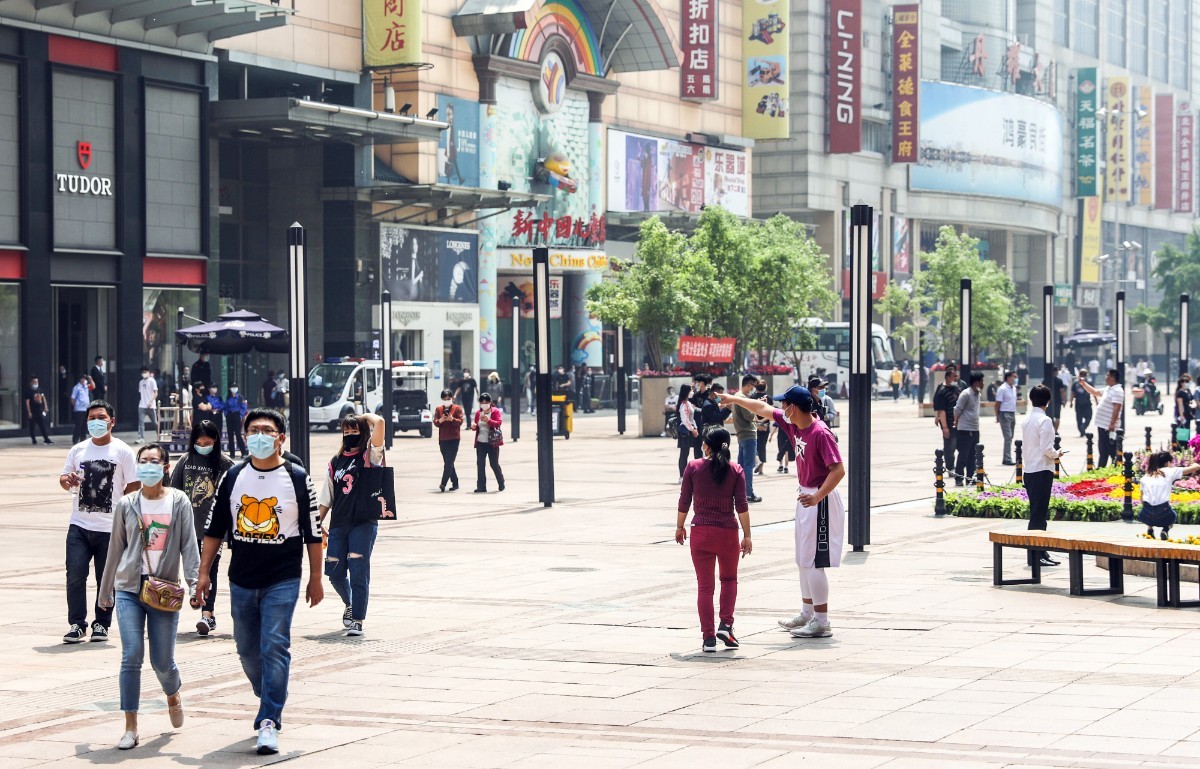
{"x":1108,"y":414}
{"x":1094,"y":366}
{"x":1006,"y":412}
{"x":147,"y":404}
{"x":1037,"y":435}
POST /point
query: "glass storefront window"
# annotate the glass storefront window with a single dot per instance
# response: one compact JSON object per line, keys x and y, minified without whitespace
{"x":11,"y":386}
{"x":160,"y":321}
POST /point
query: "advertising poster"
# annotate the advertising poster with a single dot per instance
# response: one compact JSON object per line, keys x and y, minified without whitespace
{"x":525,"y":285}
{"x":1164,"y":151}
{"x":1185,"y":138}
{"x":1117,"y":99}
{"x":845,"y":76}
{"x":391,"y":32}
{"x":458,"y":146}
{"x":1090,"y":226}
{"x":1087,"y":155}
{"x":647,"y":173}
{"x":901,"y":247}
{"x":427,"y":265}
{"x":765,"y":60}
{"x":1143,"y":147}
{"x":906,"y":85}
{"x":699,"y":43}
{"x":981,"y":142}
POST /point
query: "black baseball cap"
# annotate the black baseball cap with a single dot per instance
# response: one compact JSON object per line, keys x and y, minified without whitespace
{"x":815,"y":382}
{"x":800,"y":397}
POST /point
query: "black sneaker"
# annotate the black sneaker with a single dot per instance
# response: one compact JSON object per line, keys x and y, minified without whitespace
{"x":354,"y":628}
{"x":75,"y":635}
{"x":99,"y":633}
{"x":206,"y":625}
{"x":710,"y":645}
{"x":347,"y":617}
{"x":1165,"y":535}
{"x":501,"y":485}
{"x":725,"y":633}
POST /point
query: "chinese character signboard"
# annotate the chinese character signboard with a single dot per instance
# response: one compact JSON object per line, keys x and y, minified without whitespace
{"x":845,"y":76}
{"x":1164,"y":151}
{"x":698,"y":74}
{"x":765,"y":53}
{"x":906,"y":82}
{"x":391,"y":32}
{"x":1185,"y":141}
{"x":1143,"y":147}
{"x":706,"y":349}
{"x":1087,"y":156}
{"x":1090,"y":222}
{"x":1117,"y":100}
{"x":530,"y":228}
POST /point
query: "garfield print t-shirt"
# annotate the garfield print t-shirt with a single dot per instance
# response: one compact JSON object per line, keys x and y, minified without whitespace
{"x":267,"y":530}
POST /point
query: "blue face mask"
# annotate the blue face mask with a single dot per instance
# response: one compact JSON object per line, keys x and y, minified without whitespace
{"x":97,"y":428}
{"x":148,"y":474}
{"x":261,"y":446}
{"x":204,"y":451}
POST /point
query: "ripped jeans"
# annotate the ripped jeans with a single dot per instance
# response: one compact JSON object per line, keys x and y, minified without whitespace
{"x":348,"y":564}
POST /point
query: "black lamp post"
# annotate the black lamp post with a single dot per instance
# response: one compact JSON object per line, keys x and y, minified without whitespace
{"x":298,"y":322}
{"x":514,"y":401}
{"x":385,"y":317}
{"x":1184,"y":332}
{"x":964,"y":343}
{"x":1048,"y":373}
{"x":862,"y":219}
{"x":621,"y":380}
{"x":1122,"y":348}
{"x":541,"y":320}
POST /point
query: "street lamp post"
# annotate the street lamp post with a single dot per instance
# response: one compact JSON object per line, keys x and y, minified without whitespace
{"x":1184,"y":332}
{"x":621,"y":380}
{"x":922,"y":323}
{"x":541,"y":319}
{"x":514,"y":403}
{"x":964,"y":344}
{"x":1048,"y":346}
{"x":1122,"y":348}
{"x":862,"y":220}
{"x":385,"y":317}
{"x":1168,"y":332}
{"x":298,"y":322}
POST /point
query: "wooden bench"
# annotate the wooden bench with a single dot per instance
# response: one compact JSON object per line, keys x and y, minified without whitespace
{"x":1166,"y":557}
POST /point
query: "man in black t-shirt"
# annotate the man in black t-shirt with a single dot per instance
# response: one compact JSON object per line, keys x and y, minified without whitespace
{"x":944,"y":400}
{"x":35,"y":410}
{"x":467,"y":387}
{"x":97,"y":374}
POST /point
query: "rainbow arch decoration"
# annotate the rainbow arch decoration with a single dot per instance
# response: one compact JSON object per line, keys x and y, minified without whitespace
{"x":560,"y":18}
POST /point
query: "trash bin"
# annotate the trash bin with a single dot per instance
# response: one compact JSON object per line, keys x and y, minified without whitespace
{"x":562,"y":415}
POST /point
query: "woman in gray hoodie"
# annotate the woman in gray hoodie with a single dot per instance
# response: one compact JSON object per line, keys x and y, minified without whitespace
{"x":152,"y":533}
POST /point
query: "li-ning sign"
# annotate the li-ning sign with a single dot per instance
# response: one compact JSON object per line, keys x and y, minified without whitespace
{"x":81,"y":184}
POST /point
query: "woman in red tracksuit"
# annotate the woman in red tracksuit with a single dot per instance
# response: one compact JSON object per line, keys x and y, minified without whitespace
{"x":487,"y":421}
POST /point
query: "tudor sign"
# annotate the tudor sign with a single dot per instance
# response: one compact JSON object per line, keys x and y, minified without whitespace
{"x":84,"y":184}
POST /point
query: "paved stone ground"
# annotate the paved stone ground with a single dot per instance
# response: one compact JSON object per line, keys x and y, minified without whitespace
{"x":503,"y":634}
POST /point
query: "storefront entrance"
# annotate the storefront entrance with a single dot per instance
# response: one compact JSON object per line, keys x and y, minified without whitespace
{"x":84,"y":326}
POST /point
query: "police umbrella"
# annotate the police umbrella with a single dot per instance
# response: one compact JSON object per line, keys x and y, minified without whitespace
{"x":234,"y":332}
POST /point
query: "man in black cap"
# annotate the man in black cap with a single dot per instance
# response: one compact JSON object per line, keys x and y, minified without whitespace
{"x":820,"y":511}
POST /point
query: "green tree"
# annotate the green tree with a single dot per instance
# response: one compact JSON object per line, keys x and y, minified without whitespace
{"x":653,"y":295}
{"x":1176,"y":271}
{"x":999,"y":313}
{"x":723,"y":243}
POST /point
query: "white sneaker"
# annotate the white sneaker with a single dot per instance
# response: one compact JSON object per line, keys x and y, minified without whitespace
{"x":814,"y":628}
{"x":800,"y":620}
{"x":268,"y":738}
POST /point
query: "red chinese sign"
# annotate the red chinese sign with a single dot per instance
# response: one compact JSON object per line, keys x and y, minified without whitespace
{"x":1164,"y":151}
{"x":845,"y":76}
{"x":698,"y":77}
{"x":906,"y":83}
{"x":1185,"y":139}
{"x":706,"y":349}
{"x":562,"y":230}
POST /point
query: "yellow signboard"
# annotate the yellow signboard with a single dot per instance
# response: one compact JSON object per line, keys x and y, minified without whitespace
{"x":1117,"y":101}
{"x":1090,"y":220}
{"x":766,"y":73}
{"x":391,"y":32}
{"x":1143,"y":147}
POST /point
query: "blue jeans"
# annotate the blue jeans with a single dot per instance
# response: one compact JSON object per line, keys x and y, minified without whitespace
{"x":135,"y":621}
{"x":262,"y":630}
{"x":350,"y":551}
{"x":747,"y":458}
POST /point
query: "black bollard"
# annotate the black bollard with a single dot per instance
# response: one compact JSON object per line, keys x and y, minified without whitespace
{"x":1127,"y":508}
{"x":1020,"y":462}
{"x":1149,"y":445}
{"x":1120,"y":447}
{"x":939,"y":482}
{"x":979,"y":467}
{"x":1057,"y":458}
{"x":1091,"y":456}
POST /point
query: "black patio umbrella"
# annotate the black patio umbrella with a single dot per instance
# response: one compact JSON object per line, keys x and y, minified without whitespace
{"x":234,"y":332}
{"x":1086,"y":337}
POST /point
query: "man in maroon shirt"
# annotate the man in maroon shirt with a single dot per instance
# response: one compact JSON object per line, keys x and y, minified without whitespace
{"x":820,"y":511}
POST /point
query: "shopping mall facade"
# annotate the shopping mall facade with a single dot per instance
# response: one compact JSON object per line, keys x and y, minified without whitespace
{"x":426,"y":148}
{"x":1055,"y":131}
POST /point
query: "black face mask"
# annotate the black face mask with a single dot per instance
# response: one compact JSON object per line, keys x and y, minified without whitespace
{"x":351,"y":442}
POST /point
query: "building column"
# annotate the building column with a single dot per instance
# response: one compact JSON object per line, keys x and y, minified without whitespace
{"x":488,"y":232}
{"x":587,"y":345}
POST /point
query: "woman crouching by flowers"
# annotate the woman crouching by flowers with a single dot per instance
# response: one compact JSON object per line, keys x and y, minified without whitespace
{"x":1156,"y":486}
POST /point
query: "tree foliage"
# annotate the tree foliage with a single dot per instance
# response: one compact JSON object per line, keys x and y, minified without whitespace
{"x":999,"y":313}
{"x":1176,"y":271}
{"x":731,"y":278}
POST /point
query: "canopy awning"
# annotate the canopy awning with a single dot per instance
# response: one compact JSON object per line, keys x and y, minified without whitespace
{"x":286,"y":118}
{"x":435,"y":203}
{"x":142,"y":20}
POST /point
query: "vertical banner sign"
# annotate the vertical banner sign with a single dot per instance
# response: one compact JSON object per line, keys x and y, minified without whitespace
{"x":1185,"y":137}
{"x":1143,"y":147}
{"x":901,"y":248}
{"x":906,"y":82}
{"x":1117,"y":100}
{"x":698,"y":41}
{"x":1087,"y":158}
{"x":1164,"y":151}
{"x":845,"y":76}
{"x":391,"y":32}
{"x":765,"y":51}
{"x":1089,"y":239}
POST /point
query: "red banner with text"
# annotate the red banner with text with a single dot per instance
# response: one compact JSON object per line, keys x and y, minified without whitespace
{"x":845,"y":76}
{"x":1164,"y":151}
{"x":906,"y":83}
{"x":706,"y":349}
{"x":698,"y":76}
{"x":1185,"y":136}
